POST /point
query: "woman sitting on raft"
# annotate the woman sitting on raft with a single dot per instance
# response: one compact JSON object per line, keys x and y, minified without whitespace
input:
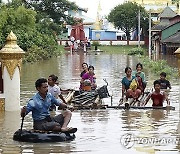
{"x":127,"y":89}
{"x":88,"y":80}
{"x":85,"y":69}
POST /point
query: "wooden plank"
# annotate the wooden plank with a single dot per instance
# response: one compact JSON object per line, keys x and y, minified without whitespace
{"x":143,"y":107}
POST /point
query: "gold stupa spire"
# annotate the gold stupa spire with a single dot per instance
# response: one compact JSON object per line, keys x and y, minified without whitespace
{"x":98,"y":23}
{"x":11,"y":55}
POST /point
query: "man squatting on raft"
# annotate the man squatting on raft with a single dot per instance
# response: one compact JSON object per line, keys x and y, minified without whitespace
{"x":39,"y":105}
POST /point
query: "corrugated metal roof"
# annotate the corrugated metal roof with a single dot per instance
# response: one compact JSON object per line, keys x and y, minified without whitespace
{"x":171,"y":25}
{"x":159,"y":27}
{"x":173,"y":38}
{"x":167,"y":13}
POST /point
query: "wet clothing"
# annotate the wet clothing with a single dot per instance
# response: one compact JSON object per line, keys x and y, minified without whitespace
{"x":127,"y":82}
{"x":141,"y":74}
{"x":49,"y":123}
{"x":90,"y":77}
{"x":55,"y":90}
{"x":157,"y":98}
{"x":82,"y":73}
{"x":164,"y":84}
{"x":40,"y":107}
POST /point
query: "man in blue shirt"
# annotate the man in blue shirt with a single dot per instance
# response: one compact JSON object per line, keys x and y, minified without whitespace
{"x":39,"y":106}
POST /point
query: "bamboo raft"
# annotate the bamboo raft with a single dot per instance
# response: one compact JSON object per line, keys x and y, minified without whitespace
{"x":88,"y":99}
{"x":93,"y":100}
{"x":143,"y":107}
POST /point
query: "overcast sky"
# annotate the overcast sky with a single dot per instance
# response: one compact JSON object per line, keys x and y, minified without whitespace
{"x":106,"y":6}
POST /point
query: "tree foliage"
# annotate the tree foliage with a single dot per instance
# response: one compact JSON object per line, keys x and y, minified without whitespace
{"x":22,"y":22}
{"x":176,"y":2}
{"x":53,"y":11}
{"x":125,"y":17}
{"x":35,"y":23}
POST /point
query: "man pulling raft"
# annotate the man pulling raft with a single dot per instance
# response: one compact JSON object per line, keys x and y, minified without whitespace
{"x":39,"y":105}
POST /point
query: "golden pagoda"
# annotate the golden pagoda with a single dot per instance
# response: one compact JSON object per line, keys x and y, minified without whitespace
{"x":98,"y":23}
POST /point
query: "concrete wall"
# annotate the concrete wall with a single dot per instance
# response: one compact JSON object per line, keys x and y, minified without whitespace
{"x":103,"y":35}
{"x":108,"y":42}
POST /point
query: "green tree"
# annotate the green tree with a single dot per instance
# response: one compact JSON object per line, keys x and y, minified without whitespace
{"x":22,"y":22}
{"x":35,"y":23}
{"x":52,"y":10}
{"x":176,"y":2}
{"x":125,"y":17}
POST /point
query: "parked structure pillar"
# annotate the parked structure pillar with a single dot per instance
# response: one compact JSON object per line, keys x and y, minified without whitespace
{"x":11,"y":59}
{"x":177,"y":53}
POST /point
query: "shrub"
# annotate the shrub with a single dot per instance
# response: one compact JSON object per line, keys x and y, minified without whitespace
{"x":95,"y":43}
{"x":136,"y":51}
{"x":34,"y":54}
{"x":160,"y":66}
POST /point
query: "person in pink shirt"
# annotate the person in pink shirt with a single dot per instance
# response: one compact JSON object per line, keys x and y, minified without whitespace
{"x":89,"y":77}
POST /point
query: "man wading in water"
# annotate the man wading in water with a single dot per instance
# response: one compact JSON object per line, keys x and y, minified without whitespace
{"x":39,"y":106}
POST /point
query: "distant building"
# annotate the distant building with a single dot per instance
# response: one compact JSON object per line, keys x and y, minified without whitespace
{"x":94,"y":29}
{"x":156,"y":6}
{"x":103,"y":35}
{"x":101,"y":29}
{"x":170,"y":37}
{"x":87,"y":22}
{"x":165,"y":35}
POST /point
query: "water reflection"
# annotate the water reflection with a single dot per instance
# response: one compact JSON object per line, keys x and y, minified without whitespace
{"x":99,"y":131}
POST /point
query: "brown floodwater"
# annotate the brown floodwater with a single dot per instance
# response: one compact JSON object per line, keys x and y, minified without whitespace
{"x":99,"y":131}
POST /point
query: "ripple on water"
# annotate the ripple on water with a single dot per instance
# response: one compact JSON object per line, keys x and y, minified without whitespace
{"x":99,"y":131}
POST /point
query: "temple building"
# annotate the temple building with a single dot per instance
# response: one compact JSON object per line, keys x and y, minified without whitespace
{"x":101,"y":30}
{"x":166,"y":25}
{"x":97,"y":29}
{"x":156,"y":6}
{"x":165,"y":34}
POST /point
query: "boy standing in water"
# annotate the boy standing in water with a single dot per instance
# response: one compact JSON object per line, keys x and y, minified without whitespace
{"x":157,"y":96}
{"x":163,"y":82}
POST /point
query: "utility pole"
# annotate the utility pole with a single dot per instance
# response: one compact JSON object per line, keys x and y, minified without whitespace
{"x":139,"y":29}
{"x":150,"y":34}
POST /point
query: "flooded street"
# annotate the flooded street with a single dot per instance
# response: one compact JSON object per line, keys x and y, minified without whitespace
{"x":99,"y":131}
